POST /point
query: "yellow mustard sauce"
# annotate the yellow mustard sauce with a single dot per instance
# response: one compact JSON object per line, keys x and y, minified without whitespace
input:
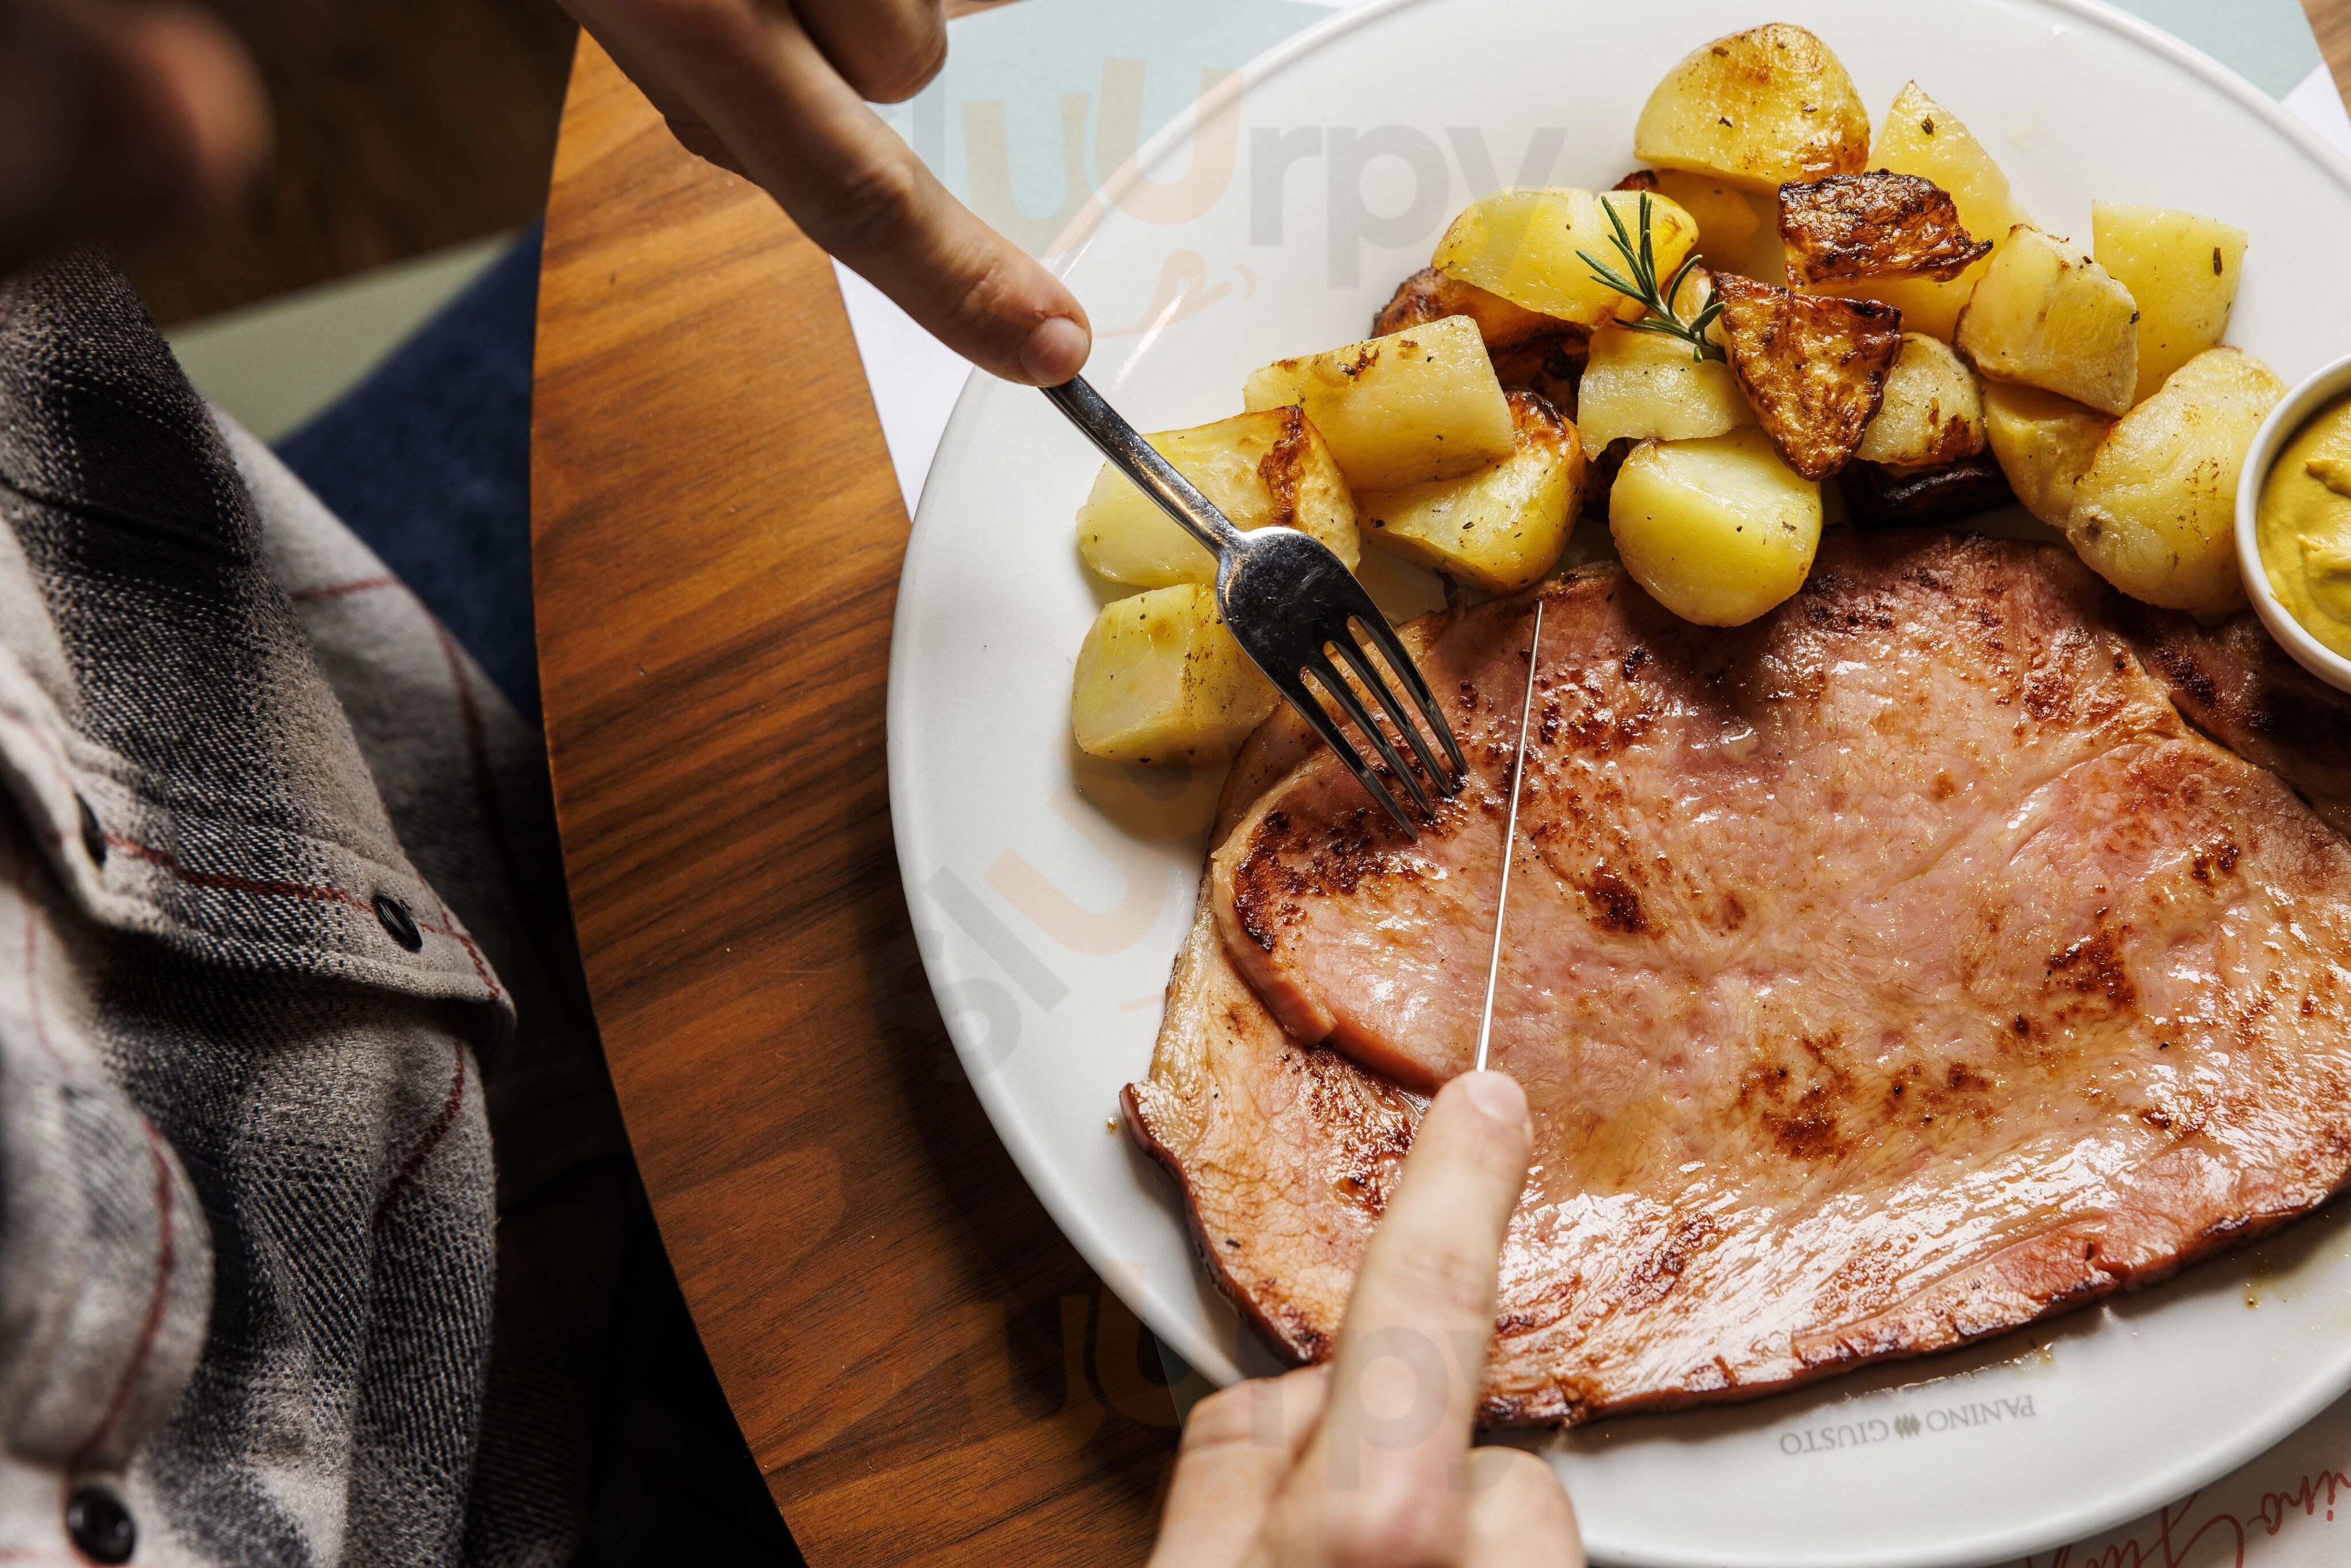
{"x":2304,"y":525}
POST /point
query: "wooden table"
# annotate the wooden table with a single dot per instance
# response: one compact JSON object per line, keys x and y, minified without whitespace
{"x":924,"y":1368}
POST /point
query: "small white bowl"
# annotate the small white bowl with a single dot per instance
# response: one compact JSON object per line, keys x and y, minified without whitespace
{"x":2284,"y":423}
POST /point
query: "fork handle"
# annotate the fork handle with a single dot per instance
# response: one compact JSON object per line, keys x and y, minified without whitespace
{"x":1140,"y":462}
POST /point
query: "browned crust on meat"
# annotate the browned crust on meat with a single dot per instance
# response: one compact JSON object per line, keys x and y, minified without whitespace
{"x":1873,"y":225}
{"x":2236,"y":685}
{"x":1814,"y":368}
{"x":1338,"y":1187}
{"x":2142,"y":1242}
{"x":1429,"y":295}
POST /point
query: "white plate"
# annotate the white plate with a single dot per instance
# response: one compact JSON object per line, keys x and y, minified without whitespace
{"x":1050,"y":893}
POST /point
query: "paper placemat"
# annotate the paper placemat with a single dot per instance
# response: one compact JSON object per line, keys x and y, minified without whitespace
{"x":1041,"y":101}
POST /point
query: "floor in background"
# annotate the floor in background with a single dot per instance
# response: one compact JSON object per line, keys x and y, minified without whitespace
{"x":275,"y":365}
{"x":404,"y":127}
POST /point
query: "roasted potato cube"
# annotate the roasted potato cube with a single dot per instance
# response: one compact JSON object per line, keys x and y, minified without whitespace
{"x":1924,"y":305}
{"x":2045,"y":445}
{"x":2180,"y":269}
{"x":2156,"y":514}
{"x":1159,"y":679}
{"x":1531,"y":352}
{"x":1418,"y":405}
{"x":1718,"y":531}
{"x":1919,"y":136}
{"x":2048,"y":316}
{"x":1645,"y":385}
{"x":1651,"y":384}
{"x":1522,"y":245}
{"x":1429,"y":295}
{"x":1814,"y":369}
{"x":1738,"y":230}
{"x":1757,"y":109}
{"x":1262,"y":470}
{"x":1873,"y":225}
{"x":1726,"y":216}
{"x":1501,"y":527}
{"x":1932,"y":415}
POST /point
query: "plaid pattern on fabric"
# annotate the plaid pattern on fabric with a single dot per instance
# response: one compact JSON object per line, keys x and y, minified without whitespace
{"x":265,"y":927}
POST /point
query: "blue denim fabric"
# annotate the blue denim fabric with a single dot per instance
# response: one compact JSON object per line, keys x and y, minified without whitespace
{"x":428,"y":460}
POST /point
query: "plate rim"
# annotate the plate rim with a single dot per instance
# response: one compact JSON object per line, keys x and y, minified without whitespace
{"x":1024,"y":1144}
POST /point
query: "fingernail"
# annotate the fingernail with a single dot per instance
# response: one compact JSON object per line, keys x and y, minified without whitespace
{"x":1497,"y":1095}
{"x":1055,"y":351}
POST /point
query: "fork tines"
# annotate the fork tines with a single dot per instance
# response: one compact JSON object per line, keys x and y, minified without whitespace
{"x":1376,"y":720}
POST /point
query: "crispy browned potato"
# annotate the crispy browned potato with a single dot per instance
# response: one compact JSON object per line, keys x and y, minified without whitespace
{"x":2156,"y":514}
{"x":1731,"y":235}
{"x":1528,"y":244}
{"x":1814,"y":368}
{"x":1933,"y":413}
{"x":1601,"y":469}
{"x":1269,"y":469}
{"x":1758,"y":109}
{"x":2044,"y":443}
{"x":1429,"y":296}
{"x":1552,"y":368}
{"x":1413,"y":406}
{"x":2046,"y":314}
{"x":1873,"y":225}
{"x":1921,"y":137}
{"x":1503,"y":526}
{"x":1877,"y":495}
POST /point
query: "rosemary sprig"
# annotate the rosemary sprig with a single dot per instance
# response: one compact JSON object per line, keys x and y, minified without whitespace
{"x":1642,"y":285}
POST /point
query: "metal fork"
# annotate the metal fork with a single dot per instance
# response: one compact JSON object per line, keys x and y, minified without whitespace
{"x":1290,"y":602}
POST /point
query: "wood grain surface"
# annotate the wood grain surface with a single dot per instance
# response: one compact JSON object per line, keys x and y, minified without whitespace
{"x":2331,"y":20}
{"x":923,"y":1367}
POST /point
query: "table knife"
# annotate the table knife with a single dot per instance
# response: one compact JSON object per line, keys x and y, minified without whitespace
{"x":1510,"y":839}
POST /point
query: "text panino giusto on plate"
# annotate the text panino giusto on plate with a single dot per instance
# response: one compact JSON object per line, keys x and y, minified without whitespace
{"x":1052,"y":892}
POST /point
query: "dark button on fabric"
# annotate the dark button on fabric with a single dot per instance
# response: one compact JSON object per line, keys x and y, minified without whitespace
{"x":397,"y":923}
{"x":93,"y":837}
{"x":100,"y":1526}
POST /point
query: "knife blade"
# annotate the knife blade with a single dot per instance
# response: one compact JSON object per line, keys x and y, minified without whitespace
{"x":1510,"y":839}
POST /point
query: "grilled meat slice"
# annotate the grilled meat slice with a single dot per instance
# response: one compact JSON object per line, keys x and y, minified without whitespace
{"x":1873,"y":225}
{"x":2236,"y":685}
{"x":1890,"y":972}
{"x":1814,"y":369}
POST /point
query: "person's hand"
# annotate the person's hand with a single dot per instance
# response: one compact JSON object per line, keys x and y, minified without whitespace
{"x":1366,"y":1462}
{"x":120,"y":117}
{"x":776,"y":90}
